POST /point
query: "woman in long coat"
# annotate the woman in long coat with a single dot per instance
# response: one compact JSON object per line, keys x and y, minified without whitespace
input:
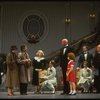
{"x":12,"y":79}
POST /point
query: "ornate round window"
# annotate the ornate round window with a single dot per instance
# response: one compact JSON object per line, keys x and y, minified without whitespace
{"x":34,"y":27}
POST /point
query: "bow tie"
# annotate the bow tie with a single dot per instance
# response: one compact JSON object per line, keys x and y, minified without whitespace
{"x":85,"y":52}
{"x":65,"y":47}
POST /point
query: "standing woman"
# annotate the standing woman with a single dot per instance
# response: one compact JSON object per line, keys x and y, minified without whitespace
{"x":24,"y":69}
{"x":39,"y":63}
{"x":12,"y":79}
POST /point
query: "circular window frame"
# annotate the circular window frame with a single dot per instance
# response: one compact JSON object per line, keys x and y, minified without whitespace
{"x":21,"y":34}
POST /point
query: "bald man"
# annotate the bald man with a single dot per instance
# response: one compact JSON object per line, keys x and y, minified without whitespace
{"x":63,"y":63}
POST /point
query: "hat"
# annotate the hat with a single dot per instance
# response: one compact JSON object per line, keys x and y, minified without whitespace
{"x":13,"y":47}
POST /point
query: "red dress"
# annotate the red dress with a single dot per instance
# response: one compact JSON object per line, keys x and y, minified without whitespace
{"x":71,"y":77}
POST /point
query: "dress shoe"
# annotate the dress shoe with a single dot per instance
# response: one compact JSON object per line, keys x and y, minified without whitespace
{"x":12,"y":93}
{"x":25,"y":93}
{"x":70,"y":93}
{"x":63,"y":93}
{"x":73,"y":93}
{"x":21,"y":93}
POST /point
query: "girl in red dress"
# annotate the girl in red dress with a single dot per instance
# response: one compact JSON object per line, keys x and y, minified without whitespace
{"x":71,"y":74}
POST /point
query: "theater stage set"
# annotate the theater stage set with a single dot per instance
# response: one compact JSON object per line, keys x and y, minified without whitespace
{"x":52,"y":20}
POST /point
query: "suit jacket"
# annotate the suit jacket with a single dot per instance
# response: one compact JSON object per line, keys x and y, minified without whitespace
{"x":82,"y":59}
{"x":96,"y":60}
{"x":63,"y":57}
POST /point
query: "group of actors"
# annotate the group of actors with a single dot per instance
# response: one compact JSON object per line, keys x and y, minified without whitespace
{"x":19,"y":64}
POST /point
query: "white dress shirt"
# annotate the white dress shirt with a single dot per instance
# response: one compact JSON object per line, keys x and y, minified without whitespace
{"x":64,"y":50}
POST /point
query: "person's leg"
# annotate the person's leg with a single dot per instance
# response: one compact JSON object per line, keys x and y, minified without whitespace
{"x":25,"y":88}
{"x":66,"y":86}
{"x":96,"y":83}
{"x":51,"y":85}
{"x":70,"y":83}
{"x":74,"y":88}
{"x":21,"y":88}
{"x":12,"y":92}
{"x":9,"y":92}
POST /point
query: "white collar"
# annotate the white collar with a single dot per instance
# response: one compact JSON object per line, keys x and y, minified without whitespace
{"x":38,"y":59}
{"x":70,"y":61}
{"x":66,"y":45}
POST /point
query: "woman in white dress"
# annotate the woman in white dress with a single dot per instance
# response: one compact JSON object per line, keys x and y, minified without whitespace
{"x":50,"y":79}
{"x":85,"y":77}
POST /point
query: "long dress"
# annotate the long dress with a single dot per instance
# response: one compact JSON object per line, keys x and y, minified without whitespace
{"x":71,"y":77}
{"x":85,"y":78}
{"x":51,"y":80}
{"x":37,"y":64}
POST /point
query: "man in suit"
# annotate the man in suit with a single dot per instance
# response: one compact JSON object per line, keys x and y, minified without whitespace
{"x":85,"y":56}
{"x":63,"y":63}
{"x":96,"y":63}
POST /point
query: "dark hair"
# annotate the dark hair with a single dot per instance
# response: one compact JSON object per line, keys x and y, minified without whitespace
{"x":86,"y":63}
{"x":85,"y":46}
{"x":52,"y":62}
{"x":13,"y":47}
{"x":22,"y":47}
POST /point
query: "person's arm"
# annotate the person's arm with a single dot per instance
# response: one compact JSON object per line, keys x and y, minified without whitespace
{"x":92,"y":61}
{"x":70,"y":69}
{"x":9,"y":60}
{"x":80,"y":61}
{"x":81,"y":73}
{"x":90,"y":74}
{"x":20,"y":60}
{"x":53,"y":74}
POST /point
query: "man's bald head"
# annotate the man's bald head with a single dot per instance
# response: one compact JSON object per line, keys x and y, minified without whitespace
{"x":64,"y":42}
{"x":98,"y":48}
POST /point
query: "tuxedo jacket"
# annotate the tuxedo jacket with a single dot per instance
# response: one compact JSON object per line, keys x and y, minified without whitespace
{"x":63,"y":57}
{"x":82,"y":59}
{"x":96,"y":60}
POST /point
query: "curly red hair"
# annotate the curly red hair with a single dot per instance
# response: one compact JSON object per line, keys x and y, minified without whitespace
{"x":71,"y":55}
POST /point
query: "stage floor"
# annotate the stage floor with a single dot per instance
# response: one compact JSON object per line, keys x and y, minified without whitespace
{"x":31,"y":95}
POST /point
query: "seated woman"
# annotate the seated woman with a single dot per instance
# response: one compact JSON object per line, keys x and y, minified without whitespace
{"x":50,"y":80}
{"x":85,"y":78}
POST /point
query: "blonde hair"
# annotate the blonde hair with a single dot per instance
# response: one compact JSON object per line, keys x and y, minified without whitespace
{"x":40,"y":52}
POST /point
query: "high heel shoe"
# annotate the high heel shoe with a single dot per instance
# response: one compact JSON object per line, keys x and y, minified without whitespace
{"x":12,"y":93}
{"x":9,"y":94}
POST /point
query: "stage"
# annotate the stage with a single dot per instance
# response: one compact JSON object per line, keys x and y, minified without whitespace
{"x":31,"y":95}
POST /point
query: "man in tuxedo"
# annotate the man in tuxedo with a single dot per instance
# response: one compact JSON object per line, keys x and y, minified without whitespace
{"x":63,"y":63}
{"x":85,"y":56}
{"x":96,"y":63}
